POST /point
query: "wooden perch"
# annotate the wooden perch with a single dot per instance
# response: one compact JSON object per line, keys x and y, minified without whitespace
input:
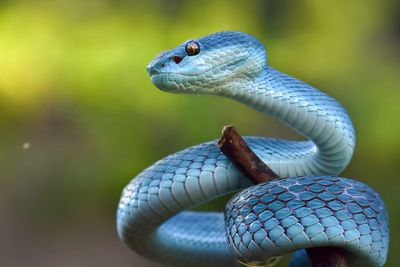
{"x":234,"y":147}
{"x":236,"y":150}
{"x":327,"y":257}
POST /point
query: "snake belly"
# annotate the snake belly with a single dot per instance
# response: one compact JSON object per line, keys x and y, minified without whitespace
{"x":309,"y":207}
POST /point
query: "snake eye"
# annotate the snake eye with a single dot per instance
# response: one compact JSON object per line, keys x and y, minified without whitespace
{"x":192,"y":48}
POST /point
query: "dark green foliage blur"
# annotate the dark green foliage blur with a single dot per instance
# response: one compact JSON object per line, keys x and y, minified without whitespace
{"x":79,"y":116}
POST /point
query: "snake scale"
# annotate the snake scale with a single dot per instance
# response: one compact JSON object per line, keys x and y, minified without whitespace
{"x":309,"y":207}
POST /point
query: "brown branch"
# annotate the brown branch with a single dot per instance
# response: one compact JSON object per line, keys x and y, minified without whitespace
{"x":236,"y":150}
{"x":234,"y":147}
{"x":327,"y":257}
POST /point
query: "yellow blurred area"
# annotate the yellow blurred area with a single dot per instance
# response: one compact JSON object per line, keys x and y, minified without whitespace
{"x":79,"y":116}
{"x":84,"y":46}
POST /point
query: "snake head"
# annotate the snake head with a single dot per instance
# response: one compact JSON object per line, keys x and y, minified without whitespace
{"x":208,"y":65}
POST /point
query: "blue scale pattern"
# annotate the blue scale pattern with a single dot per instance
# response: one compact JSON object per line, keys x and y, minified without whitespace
{"x":311,"y":212}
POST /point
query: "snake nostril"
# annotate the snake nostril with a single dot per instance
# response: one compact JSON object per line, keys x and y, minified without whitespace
{"x":177,"y":59}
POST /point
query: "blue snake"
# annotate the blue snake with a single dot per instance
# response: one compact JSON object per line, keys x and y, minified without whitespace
{"x":309,"y":207}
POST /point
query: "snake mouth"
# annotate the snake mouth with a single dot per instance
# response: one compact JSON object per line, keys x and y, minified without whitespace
{"x":159,"y":79}
{"x":153,"y":71}
{"x":156,"y":79}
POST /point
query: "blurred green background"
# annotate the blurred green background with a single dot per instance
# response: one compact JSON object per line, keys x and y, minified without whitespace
{"x":79,"y":117}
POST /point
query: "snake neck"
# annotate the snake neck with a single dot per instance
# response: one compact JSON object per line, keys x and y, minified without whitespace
{"x":306,"y":110}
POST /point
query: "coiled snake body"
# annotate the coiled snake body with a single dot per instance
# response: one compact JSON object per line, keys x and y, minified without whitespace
{"x":308,"y":207}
